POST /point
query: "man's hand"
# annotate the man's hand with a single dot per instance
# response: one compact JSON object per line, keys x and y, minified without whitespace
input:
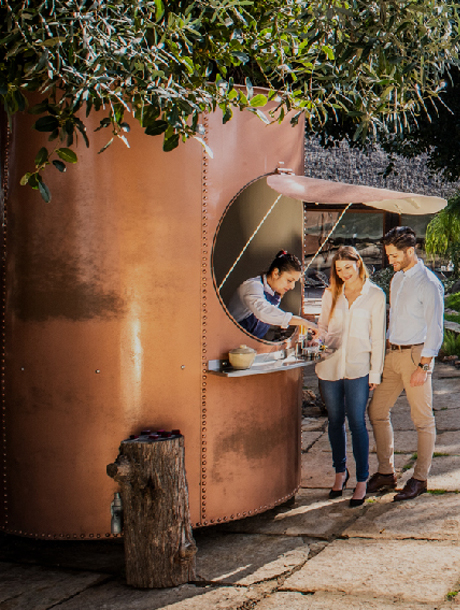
{"x":418,"y":377}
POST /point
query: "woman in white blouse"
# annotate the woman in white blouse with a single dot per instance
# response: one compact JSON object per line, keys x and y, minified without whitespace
{"x":352,"y":321}
{"x":256,"y":303}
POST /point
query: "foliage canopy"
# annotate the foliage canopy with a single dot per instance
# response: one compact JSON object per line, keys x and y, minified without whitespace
{"x":443,"y":233}
{"x":370,"y":64}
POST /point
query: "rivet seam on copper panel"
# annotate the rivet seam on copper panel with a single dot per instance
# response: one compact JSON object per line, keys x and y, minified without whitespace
{"x":5,"y":189}
{"x":249,"y":513}
{"x":9,"y":530}
{"x":204,"y":311}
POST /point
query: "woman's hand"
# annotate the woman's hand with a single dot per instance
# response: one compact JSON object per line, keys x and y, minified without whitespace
{"x":372,"y":386}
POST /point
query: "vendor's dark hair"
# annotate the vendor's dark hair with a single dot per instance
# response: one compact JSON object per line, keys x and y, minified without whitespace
{"x":284,"y":261}
{"x":400,"y":237}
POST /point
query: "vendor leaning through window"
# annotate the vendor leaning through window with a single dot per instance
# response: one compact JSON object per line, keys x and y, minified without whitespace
{"x":255,"y":304}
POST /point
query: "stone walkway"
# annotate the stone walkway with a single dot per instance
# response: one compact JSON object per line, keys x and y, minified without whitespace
{"x":312,"y":554}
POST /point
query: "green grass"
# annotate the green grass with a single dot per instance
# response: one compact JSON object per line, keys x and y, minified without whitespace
{"x":410,"y":463}
{"x":439,"y":454}
{"x":452,"y":595}
{"x":451,"y":317}
{"x":453,"y":301}
{"x":437,"y":492}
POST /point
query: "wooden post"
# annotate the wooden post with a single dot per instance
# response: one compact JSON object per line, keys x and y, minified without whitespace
{"x":159,"y":546}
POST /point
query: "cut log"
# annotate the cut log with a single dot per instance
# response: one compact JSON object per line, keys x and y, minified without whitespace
{"x":159,"y":546}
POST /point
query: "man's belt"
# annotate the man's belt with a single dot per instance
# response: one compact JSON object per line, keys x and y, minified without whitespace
{"x":393,"y":346}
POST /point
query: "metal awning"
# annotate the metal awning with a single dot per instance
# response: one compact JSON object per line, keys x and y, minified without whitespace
{"x":327,"y":192}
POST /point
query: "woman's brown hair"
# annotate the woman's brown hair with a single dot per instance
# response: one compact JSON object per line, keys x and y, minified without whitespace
{"x":344,"y":253}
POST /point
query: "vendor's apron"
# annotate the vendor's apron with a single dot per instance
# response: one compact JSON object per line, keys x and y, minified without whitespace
{"x":255,"y":326}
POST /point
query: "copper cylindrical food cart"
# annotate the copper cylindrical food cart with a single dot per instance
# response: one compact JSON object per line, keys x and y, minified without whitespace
{"x":111,"y":316}
{"x":115,"y":319}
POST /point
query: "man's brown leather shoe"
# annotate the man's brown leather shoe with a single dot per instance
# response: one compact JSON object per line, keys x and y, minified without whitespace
{"x":412,"y":489}
{"x":381,"y":482}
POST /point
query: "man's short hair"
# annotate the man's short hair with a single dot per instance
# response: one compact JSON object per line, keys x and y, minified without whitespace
{"x":400,"y":237}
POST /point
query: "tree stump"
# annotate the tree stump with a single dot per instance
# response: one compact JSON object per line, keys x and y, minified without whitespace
{"x":159,"y":546}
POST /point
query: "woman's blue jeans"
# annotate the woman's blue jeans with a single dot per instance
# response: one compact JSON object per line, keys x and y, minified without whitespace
{"x":348,"y":397}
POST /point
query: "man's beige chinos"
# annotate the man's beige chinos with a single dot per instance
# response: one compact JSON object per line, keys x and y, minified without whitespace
{"x":399,"y":366}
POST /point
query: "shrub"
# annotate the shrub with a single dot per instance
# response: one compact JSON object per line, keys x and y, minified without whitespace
{"x":451,"y":344}
{"x":383,"y":278}
{"x":453,"y":301}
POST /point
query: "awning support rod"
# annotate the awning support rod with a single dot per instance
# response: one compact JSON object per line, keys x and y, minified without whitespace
{"x":327,"y":238}
{"x":248,"y":242}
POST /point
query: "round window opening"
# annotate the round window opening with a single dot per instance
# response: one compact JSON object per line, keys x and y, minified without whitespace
{"x":258,"y":224}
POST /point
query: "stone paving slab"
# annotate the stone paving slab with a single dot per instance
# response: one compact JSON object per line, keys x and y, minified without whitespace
{"x":39,"y":588}
{"x":406,"y":570}
{"x":428,"y":517}
{"x":324,"y":601}
{"x":312,"y":515}
{"x":223,"y":598}
{"x":446,"y":402}
{"x":448,"y":442}
{"x":313,"y":423}
{"x":310,"y":438}
{"x":400,"y":416}
{"x":444,"y":388}
{"x":318,"y":473}
{"x":118,"y":596}
{"x":448,"y":419}
{"x":245,"y":559}
{"x":444,"y":474}
{"x":405,"y":441}
{"x":445,"y":371}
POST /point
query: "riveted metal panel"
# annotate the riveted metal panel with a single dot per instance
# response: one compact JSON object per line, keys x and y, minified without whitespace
{"x":111,"y":315}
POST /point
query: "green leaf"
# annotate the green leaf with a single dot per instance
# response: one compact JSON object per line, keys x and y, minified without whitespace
{"x":20,"y":100}
{"x":47,"y":123}
{"x":171,"y":143}
{"x":39,"y":108}
{"x":228,"y":114}
{"x":59,"y":165}
{"x":249,"y":88}
{"x":25,"y":179}
{"x":42,"y":156}
{"x":105,"y":147}
{"x":328,"y":51}
{"x":205,"y":146}
{"x":52,"y":42}
{"x":258,"y":101}
{"x":66,"y":154}
{"x":156,"y":128}
{"x":241,"y":57}
{"x":262,"y":117}
{"x":44,"y":191}
{"x":33,"y":181}
{"x":160,"y":9}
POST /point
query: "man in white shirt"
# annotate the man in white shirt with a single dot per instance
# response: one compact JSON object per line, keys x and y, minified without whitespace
{"x":414,"y":338}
